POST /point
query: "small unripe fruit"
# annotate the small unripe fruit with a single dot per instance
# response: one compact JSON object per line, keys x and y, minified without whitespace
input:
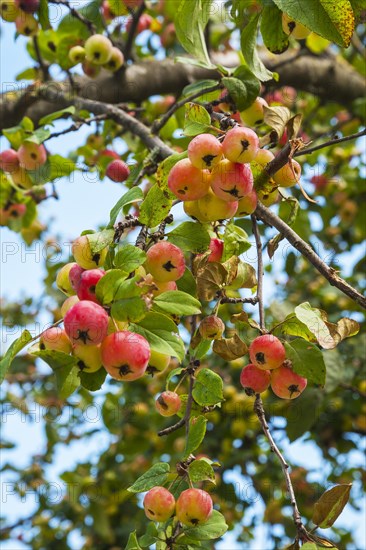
{"x":125,"y":355}
{"x":26,"y":24}
{"x":55,"y":338}
{"x":264,"y":156}
{"x":247,"y":204}
{"x":89,"y":357}
{"x":98,"y":49}
{"x":88,"y":282}
{"x":269,"y":198}
{"x":165,"y":262}
{"x":240,"y":144}
{"x":63,"y":279}
{"x":293,"y":28}
{"x":187,"y":182}
{"x":285,"y":383}
{"x":288,"y":175}
{"x":158,"y":362}
{"x":9,"y":10}
{"x":164,"y":287}
{"x":159,"y":504}
{"x":205,"y":151}
{"x":77,"y":54}
{"x":116,"y":60}
{"x":9,"y":160}
{"x":86,"y":323}
{"x":194,"y":507}
{"x":211,"y":208}
{"x":90,"y":69}
{"x":118,"y":171}
{"x":21,"y":178}
{"x":31,"y":155}
{"x":231,"y":181}
{"x":267,"y":352}
{"x":168,"y":403}
{"x":254,"y":380}
{"x":254,"y":114}
{"x":68,"y":303}
{"x":83,"y":255}
{"x":211,"y":327}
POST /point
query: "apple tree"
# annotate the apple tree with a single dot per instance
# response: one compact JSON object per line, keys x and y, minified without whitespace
{"x":214,"y":318}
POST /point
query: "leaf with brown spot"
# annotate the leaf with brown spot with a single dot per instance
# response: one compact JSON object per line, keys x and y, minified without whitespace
{"x":210,"y":280}
{"x":342,"y":16}
{"x":277,"y":118}
{"x":230,"y":348}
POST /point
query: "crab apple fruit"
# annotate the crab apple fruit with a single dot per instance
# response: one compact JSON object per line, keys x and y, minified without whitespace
{"x":247,"y":204}
{"x":285,"y":383}
{"x":90,"y":69}
{"x":9,"y":160}
{"x":187,"y":182}
{"x":88,"y":282}
{"x":89,"y":357}
{"x":86,"y":323}
{"x":75,"y":274}
{"x":264,"y":156}
{"x":116,"y":60}
{"x":193,"y":507}
{"x":217,"y":248}
{"x":191,"y":209}
{"x":28,"y":6}
{"x":254,"y":380}
{"x":269,"y":197}
{"x":168,"y":36}
{"x":31,"y":155}
{"x":21,"y":178}
{"x":267,"y":352}
{"x":211,"y":327}
{"x":165,"y":262}
{"x":159,"y":504}
{"x":158,"y":362}
{"x":164,"y":287}
{"x":9,"y":10}
{"x":125,"y":355}
{"x":231,"y":181}
{"x":76,"y":54}
{"x":68,"y":303}
{"x":26,"y":24}
{"x":294,"y":28}
{"x":288,"y":175}
{"x":98,"y":49}
{"x":117,"y":171}
{"x":205,"y":151}
{"x":143,"y":24}
{"x":168,"y":403}
{"x":83,"y":255}
{"x":240,"y":144}
{"x":63,"y":281}
{"x":55,"y":338}
{"x":109,"y":153}
{"x":254,"y":114}
{"x":212,"y":208}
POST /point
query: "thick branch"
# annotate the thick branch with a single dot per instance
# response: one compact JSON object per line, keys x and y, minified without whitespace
{"x":268,"y":217}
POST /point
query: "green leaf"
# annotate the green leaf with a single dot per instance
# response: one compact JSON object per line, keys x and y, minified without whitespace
{"x":202,"y":349}
{"x":129,"y":258}
{"x":155,"y":207}
{"x":59,"y":167}
{"x":199,"y":86}
{"x":99,"y":241}
{"x":197,"y":120}
{"x":197,"y":431}
{"x":243,"y":86}
{"x":248,"y":42}
{"x":302,"y":413}
{"x":190,"y":22}
{"x":132,"y":543}
{"x":213,"y":528}
{"x":332,"y":20}
{"x":39,"y":136}
{"x":293,"y":327}
{"x":178,"y":303}
{"x":156,"y":475}
{"x":307,"y":360}
{"x":187,"y":283}
{"x":57,"y":114}
{"x":201,"y":470}
{"x":65,"y":369}
{"x":131,"y":309}
{"x":27,"y":74}
{"x":43,"y":16}
{"x":132,"y":195}
{"x":93,"y":381}
{"x":190,"y":237}
{"x":330,"y":505}
{"x":235,"y":241}
{"x":13,"y":350}
{"x":271,"y":29}
{"x":108,"y":285}
{"x":151,"y":535}
{"x":161,"y":333}
{"x":208,"y":388}
{"x":309,"y":546}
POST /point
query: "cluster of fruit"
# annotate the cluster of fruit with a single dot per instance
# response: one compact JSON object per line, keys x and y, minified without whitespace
{"x":97,"y":52}
{"x":269,"y":367}
{"x":215,"y":182}
{"x":21,"y":13}
{"x":193,"y":506}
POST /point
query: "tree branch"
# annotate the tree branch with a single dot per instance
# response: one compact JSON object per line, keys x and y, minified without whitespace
{"x":329,"y":143}
{"x":260,"y":272}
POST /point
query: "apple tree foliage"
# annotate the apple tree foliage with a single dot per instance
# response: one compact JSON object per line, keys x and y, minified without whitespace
{"x":207,"y":61}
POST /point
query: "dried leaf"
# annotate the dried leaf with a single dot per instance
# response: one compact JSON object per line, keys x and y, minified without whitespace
{"x":277,"y":118}
{"x":230,"y":348}
{"x":330,"y":505}
{"x":210,"y":280}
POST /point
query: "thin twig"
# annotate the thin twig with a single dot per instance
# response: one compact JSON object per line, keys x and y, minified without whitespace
{"x":76,"y":14}
{"x":227,"y":300}
{"x":77,"y":125}
{"x":131,"y":35}
{"x":329,"y":143}
{"x":260,"y":272}
{"x":259,"y":410}
{"x":42,"y":64}
{"x":141,"y":239}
